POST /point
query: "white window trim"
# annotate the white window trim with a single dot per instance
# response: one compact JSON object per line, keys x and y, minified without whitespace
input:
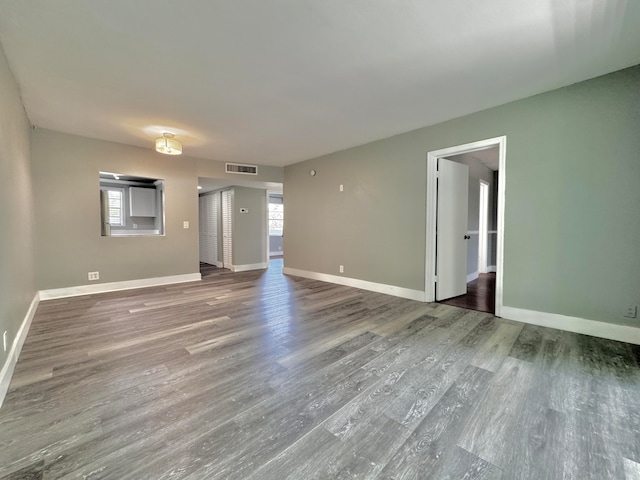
{"x":122,"y":192}
{"x":269,"y":220}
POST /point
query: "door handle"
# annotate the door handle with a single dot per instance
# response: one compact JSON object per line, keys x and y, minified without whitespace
{"x":467,"y":237}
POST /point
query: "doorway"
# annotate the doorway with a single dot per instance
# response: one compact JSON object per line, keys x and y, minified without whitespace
{"x":436,"y":222}
{"x":208,"y":209}
{"x":275,"y":224}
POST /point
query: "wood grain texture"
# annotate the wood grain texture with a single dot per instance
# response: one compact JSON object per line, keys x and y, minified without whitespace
{"x":262,"y":376}
{"x":481,"y":294}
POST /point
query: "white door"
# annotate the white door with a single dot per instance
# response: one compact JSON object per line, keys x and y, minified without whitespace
{"x":214,"y":214}
{"x":209,"y":206}
{"x":227,"y":228}
{"x":451,"y":236}
{"x":202,"y":229}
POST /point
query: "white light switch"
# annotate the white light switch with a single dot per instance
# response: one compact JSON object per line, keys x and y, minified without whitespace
{"x":185,"y":224}
{"x":341,"y":188}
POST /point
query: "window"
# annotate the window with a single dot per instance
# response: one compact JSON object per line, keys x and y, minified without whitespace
{"x":115,"y":206}
{"x":276,"y":219}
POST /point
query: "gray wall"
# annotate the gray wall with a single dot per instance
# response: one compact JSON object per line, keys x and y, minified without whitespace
{"x":249,"y":229}
{"x":572,"y":201}
{"x":17,"y":286}
{"x":275,"y":245}
{"x":65,"y":175}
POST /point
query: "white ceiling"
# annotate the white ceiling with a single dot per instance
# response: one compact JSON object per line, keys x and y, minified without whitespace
{"x":490,"y":157}
{"x":277,"y":82}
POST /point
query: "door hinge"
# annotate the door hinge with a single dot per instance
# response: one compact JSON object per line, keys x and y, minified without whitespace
{"x":435,"y":279}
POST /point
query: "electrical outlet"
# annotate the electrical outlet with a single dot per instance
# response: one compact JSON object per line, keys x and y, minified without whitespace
{"x":94,"y":276}
{"x":341,"y":268}
{"x":4,"y":340}
{"x":631,"y":311}
{"x":185,"y":225}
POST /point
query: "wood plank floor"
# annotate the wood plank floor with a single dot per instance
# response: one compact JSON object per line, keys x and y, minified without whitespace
{"x":481,"y":295}
{"x":256,"y":375}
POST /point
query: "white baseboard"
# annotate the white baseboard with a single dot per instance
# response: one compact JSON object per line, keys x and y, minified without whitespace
{"x":362,"y":284}
{"x":10,"y":364}
{"x":116,"y":286}
{"x":215,"y":264}
{"x":249,"y":266}
{"x":612,"y":331}
{"x":472,"y":276}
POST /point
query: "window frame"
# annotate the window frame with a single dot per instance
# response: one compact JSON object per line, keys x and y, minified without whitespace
{"x":123,"y":207}
{"x":281,"y":234}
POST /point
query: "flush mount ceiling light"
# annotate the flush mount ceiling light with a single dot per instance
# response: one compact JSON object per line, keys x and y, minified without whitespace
{"x":168,"y":145}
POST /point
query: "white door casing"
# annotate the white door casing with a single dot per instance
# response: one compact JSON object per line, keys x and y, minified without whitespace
{"x":451,"y":243}
{"x":431,"y":207}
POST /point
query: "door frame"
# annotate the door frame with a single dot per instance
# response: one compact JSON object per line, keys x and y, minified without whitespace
{"x":431,"y":207}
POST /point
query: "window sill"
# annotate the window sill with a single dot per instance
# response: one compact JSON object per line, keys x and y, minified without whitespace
{"x":136,"y":233}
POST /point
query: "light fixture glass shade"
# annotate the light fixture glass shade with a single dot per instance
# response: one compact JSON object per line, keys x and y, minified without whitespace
{"x":168,"y":145}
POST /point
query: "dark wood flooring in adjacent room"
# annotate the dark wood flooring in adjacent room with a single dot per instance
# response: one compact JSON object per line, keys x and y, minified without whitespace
{"x":207,"y":269}
{"x":481,"y":295}
{"x":256,"y":375}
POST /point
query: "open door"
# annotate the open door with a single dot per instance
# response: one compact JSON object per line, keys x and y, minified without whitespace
{"x":227,"y":229}
{"x":433,"y":268}
{"x":451,"y":236}
{"x":209,"y":211}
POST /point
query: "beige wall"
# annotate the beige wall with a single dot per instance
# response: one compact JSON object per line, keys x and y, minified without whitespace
{"x":69,"y":244}
{"x":572,"y":201}
{"x":17,"y":288}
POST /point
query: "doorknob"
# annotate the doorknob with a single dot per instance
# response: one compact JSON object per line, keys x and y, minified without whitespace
{"x":467,"y":237}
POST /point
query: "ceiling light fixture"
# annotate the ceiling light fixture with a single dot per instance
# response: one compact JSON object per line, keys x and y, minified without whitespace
{"x":168,"y":145}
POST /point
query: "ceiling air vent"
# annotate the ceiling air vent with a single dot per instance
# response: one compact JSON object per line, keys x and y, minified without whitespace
{"x":242,"y":169}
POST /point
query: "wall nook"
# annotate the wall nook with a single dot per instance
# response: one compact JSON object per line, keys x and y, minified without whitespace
{"x":130,"y":205}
